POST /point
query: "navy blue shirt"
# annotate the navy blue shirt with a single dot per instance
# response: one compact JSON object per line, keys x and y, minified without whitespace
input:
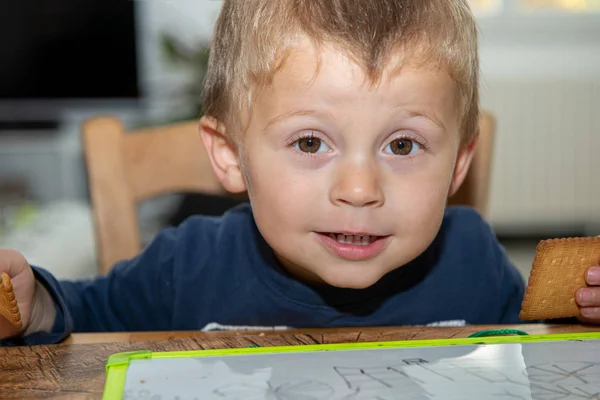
{"x":218,"y":272}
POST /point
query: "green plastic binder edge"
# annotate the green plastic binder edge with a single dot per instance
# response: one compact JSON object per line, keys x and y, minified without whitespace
{"x":118,"y":363}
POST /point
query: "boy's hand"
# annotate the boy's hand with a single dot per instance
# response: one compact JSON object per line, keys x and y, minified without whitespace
{"x":24,"y":286}
{"x":589,"y":298}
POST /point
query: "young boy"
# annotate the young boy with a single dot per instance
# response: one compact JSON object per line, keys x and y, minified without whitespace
{"x":349,"y":123}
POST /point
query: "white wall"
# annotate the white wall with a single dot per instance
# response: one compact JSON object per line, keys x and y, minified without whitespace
{"x":541,"y":78}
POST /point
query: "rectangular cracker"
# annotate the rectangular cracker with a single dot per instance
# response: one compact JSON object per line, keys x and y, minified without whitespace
{"x":557,"y":273}
{"x":8,"y":304}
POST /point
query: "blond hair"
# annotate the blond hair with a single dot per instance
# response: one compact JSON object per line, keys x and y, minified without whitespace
{"x":253,"y":37}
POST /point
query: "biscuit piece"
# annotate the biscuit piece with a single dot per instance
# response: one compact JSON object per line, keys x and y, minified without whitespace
{"x":558,"y":272}
{"x":8,"y":304}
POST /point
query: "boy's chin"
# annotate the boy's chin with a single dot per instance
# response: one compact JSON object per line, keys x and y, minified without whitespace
{"x":350,"y":281}
{"x":340,"y":276}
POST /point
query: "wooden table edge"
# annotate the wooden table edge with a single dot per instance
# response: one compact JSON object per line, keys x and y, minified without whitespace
{"x":416,"y":332}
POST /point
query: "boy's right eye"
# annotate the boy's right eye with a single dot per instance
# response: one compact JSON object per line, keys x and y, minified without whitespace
{"x":310,"y":144}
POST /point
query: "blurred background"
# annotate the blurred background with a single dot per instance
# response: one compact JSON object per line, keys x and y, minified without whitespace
{"x":63,"y":61}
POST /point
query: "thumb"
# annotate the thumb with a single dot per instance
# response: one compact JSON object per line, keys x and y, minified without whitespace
{"x":12,"y":262}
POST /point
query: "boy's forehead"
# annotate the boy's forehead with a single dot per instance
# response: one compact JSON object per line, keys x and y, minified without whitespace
{"x":293,"y":98}
{"x":328,"y":73}
{"x":324,"y":80}
{"x":306,"y":64}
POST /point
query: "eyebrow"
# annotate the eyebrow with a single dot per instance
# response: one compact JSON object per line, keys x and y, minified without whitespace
{"x":289,"y":114}
{"x":429,"y":115}
{"x":293,"y":113}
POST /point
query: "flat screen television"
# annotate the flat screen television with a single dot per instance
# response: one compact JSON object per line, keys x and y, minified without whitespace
{"x":60,"y":53}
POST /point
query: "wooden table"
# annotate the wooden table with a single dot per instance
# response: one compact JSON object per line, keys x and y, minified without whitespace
{"x":75,"y":369}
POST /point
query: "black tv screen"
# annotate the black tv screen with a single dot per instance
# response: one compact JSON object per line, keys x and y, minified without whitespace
{"x":68,"y":49}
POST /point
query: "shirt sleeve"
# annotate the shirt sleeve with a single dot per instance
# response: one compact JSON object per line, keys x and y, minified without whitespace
{"x":136,"y":295}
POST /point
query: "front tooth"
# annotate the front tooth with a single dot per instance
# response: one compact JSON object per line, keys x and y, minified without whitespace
{"x":351,"y":239}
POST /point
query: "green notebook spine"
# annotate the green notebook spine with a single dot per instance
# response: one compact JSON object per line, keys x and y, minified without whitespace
{"x":116,"y":372}
{"x":125,"y":357}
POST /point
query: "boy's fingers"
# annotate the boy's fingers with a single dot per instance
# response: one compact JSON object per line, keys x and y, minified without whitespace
{"x":591,"y":314}
{"x":592,"y":276}
{"x":588,"y":297}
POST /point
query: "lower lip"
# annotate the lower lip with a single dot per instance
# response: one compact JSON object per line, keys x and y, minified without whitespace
{"x":353,"y":252}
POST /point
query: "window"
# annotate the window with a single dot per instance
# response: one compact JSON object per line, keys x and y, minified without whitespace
{"x":495,"y":7}
{"x":521,"y":22}
{"x":560,"y":5}
{"x":486,"y":7}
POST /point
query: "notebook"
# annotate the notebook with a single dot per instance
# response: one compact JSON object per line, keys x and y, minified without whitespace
{"x":558,"y":366}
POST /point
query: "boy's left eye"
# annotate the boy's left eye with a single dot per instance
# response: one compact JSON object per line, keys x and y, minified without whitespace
{"x":402,"y":147}
{"x":310,"y":145}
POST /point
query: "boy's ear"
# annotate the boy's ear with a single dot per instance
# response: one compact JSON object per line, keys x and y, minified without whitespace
{"x":463,"y":162}
{"x":223,"y":155}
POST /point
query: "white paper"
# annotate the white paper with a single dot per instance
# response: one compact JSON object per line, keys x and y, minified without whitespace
{"x":545,"y":371}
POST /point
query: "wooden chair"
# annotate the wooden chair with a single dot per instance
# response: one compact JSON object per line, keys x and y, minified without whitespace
{"x":474,"y":191}
{"x":125,"y":168}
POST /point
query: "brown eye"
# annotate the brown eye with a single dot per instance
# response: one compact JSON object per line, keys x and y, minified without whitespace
{"x":309,"y":144}
{"x":402,"y":147}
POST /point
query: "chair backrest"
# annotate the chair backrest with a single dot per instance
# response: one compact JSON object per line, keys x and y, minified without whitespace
{"x":474,"y":191}
{"x":125,"y":168}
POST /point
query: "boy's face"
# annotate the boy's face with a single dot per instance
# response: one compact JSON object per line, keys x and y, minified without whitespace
{"x":348,"y":182}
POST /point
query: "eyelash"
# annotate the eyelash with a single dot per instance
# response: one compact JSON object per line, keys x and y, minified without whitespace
{"x":299,"y":136}
{"x":406,"y":135}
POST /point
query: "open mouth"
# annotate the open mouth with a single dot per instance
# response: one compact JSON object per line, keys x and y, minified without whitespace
{"x":353,"y":247}
{"x":360,"y":240}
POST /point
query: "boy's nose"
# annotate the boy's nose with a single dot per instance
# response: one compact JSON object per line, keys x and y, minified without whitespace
{"x":357,"y":187}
